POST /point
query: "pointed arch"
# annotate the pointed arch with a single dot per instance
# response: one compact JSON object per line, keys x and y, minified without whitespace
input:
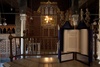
{"x":8,"y":30}
{"x":13,"y":30}
{"x":0,"y":31}
{"x":4,"y":31}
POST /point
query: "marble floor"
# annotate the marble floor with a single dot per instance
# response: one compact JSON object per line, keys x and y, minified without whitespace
{"x":47,"y":62}
{"x":1,"y":64}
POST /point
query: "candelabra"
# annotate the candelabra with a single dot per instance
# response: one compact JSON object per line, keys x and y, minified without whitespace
{"x":95,"y":27}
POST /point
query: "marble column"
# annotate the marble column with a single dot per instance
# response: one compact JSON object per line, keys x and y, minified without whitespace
{"x":23,"y":23}
{"x":23,"y":27}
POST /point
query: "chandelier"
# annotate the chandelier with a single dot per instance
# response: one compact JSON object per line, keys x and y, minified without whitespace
{"x":48,"y":19}
{"x":2,"y":20}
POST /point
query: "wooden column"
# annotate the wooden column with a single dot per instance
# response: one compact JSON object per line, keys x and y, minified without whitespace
{"x":11,"y":54}
{"x":95,"y":46}
{"x":98,"y":43}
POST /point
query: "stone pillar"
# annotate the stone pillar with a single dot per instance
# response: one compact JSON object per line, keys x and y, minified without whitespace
{"x":98,"y":44}
{"x":23,"y":23}
{"x":18,"y":25}
{"x":23,"y":26}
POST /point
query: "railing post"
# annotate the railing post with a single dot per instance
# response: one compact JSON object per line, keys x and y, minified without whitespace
{"x":24,"y":46}
{"x":95,"y":46}
{"x":11,"y":54}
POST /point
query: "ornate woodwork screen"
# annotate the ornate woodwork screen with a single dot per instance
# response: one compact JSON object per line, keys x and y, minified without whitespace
{"x":48,"y":15}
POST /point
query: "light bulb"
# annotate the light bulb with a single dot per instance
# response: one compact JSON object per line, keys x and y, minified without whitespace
{"x":11,"y":9}
{"x":4,"y":23}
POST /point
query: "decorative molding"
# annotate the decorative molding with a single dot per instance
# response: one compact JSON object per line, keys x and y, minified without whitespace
{"x":8,"y":27}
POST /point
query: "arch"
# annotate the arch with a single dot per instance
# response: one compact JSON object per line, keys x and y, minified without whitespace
{"x":13,"y":30}
{"x":8,"y":30}
{"x":0,"y":30}
{"x":46,"y":10}
{"x":42,"y":10}
{"x":4,"y":31}
{"x":55,"y":10}
{"x":51,"y":10}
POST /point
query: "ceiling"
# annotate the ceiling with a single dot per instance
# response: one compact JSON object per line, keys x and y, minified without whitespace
{"x":7,"y":5}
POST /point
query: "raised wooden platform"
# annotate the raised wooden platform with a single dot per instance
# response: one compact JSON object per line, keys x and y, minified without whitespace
{"x":46,"y":62}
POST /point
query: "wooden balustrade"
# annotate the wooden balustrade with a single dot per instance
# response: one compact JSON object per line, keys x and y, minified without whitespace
{"x":33,"y":46}
{"x":7,"y":28}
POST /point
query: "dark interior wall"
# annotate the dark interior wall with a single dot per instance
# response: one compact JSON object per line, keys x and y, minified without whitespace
{"x":62,"y":4}
{"x":93,"y":6}
{"x":7,"y":13}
